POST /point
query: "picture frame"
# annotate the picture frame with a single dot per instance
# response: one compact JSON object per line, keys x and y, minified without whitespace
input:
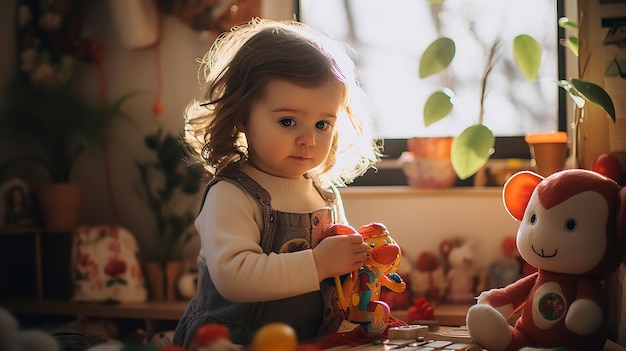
{"x":17,"y":210}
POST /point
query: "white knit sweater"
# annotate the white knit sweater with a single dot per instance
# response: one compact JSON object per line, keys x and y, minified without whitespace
{"x":229,"y":226}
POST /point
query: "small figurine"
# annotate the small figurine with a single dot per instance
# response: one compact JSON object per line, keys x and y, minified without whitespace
{"x":428,"y":279}
{"x":361,"y":290}
{"x":508,"y":270}
{"x":462,"y":277}
{"x":16,"y":207}
{"x":573,"y":230}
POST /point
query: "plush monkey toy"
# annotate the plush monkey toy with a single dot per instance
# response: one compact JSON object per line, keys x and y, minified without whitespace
{"x":573,"y":230}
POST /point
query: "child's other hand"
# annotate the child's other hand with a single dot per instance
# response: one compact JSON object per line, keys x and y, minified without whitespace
{"x":338,"y":255}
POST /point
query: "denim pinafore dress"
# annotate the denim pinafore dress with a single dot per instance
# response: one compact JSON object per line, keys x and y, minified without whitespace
{"x":313,"y":314}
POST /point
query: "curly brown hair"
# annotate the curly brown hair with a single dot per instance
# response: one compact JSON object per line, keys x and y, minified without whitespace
{"x":234,"y":74}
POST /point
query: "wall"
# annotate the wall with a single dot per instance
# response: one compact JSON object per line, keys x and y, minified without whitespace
{"x":125,"y":70}
{"x":135,"y":70}
{"x":418,"y":219}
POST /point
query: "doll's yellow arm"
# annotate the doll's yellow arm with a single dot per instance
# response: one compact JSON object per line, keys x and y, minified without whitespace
{"x":342,"y":298}
{"x":344,"y":292}
{"x":394,"y":282}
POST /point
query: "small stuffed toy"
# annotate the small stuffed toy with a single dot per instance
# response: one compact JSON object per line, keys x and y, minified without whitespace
{"x":573,"y":230}
{"x":428,"y":279}
{"x":462,"y":276}
{"x":507,"y":270}
{"x":360,"y":292}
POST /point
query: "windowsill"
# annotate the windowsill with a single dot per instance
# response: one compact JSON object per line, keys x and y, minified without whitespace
{"x":362,"y":191}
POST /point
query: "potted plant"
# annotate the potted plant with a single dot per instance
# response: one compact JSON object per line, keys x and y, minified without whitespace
{"x":581,"y":91}
{"x":55,"y":126}
{"x":165,"y":182}
{"x":42,"y":112}
{"x":471,"y":149}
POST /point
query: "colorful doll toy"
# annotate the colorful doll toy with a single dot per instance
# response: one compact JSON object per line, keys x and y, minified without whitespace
{"x":573,"y":230}
{"x":360,"y":292}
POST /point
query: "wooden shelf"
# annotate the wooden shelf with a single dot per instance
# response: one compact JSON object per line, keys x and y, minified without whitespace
{"x":450,"y":315}
{"x":171,"y":311}
{"x":152,"y":316}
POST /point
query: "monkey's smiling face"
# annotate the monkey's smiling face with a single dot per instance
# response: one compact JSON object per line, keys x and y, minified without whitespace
{"x":567,"y":238}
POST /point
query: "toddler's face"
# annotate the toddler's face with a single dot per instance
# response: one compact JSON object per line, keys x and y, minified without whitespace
{"x":290,"y":129}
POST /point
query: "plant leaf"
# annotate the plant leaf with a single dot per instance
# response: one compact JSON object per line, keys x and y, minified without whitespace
{"x":471,"y":150}
{"x":572,"y":92}
{"x":527,"y":55}
{"x":572,"y":44}
{"x":436,"y":57}
{"x":567,"y":23}
{"x":437,"y":106}
{"x":595,"y":94}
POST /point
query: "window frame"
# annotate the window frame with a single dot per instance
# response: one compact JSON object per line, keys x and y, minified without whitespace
{"x":389,"y":171}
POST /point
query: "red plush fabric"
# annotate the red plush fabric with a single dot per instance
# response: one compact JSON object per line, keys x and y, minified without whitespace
{"x":358,"y":336}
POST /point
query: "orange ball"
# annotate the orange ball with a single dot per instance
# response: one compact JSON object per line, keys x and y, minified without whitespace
{"x":275,"y":337}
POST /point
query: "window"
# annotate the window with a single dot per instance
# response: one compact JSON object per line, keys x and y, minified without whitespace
{"x":390,"y":36}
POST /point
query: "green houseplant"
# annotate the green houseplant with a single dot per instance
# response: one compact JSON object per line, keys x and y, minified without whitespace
{"x":43,"y":113}
{"x":41,"y":107}
{"x":471,"y":149}
{"x":58,"y":124}
{"x":53,"y":128}
{"x":164,"y":181}
{"x":581,"y":91}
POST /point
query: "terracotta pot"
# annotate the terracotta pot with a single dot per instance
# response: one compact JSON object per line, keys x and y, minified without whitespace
{"x":60,"y":205}
{"x":548,"y":151}
{"x":427,"y":163}
{"x":162,"y":279}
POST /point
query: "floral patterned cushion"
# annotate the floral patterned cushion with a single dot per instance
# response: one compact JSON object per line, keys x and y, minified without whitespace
{"x":105,"y":265}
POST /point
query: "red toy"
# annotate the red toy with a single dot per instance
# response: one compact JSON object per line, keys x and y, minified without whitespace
{"x":213,"y":337}
{"x":573,"y":230}
{"x":420,"y":310}
{"x":428,"y":279}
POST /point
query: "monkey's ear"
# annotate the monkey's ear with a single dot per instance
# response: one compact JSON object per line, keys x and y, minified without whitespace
{"x":517,"y":191}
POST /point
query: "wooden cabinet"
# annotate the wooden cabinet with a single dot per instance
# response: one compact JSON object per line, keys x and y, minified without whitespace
{"x":35,"y":265}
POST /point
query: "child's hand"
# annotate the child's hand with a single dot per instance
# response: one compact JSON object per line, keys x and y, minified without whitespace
{"x":339,"y":255}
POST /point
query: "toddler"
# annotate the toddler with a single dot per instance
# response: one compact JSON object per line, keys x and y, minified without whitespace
{"x":279,"y":123}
